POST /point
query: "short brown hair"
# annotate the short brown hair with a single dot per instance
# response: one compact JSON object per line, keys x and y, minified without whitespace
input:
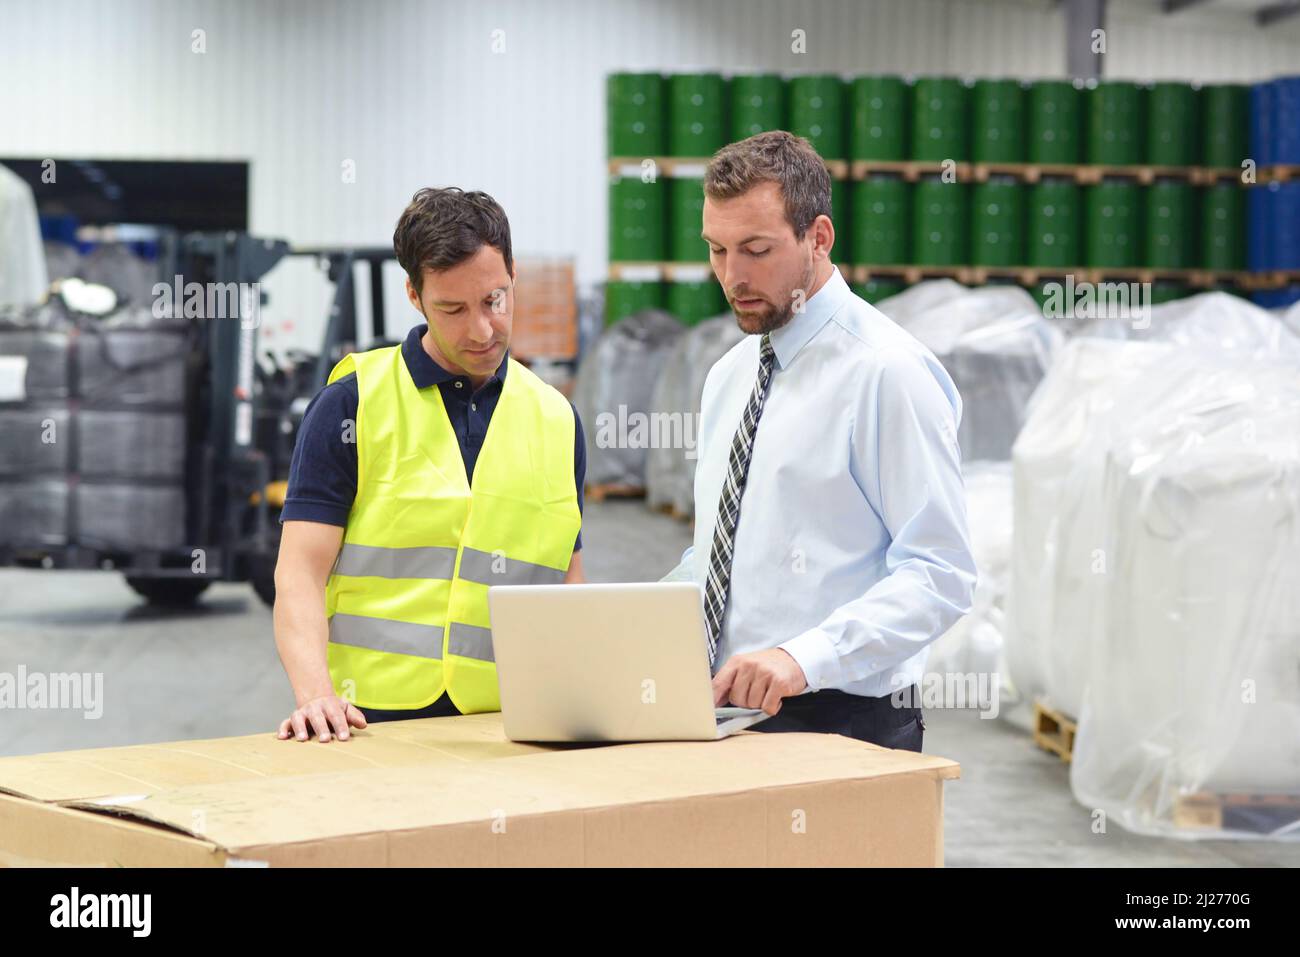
{"x":441,"y":228}
{"x":774,"y":157}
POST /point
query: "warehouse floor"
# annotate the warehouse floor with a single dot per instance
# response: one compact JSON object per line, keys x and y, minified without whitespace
{"x":213,"y":672}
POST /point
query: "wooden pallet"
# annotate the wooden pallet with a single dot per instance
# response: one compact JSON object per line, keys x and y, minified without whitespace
{"x":1054,"y":731}
{"x":672,"y":511}
{"x":909,"y":170}
{"x":601,"y":492}
{"x":1253,"y":813}
{"x":1278,"y":174}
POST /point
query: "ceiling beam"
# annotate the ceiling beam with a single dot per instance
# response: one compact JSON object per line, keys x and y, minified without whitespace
{"x":1274,"y":12}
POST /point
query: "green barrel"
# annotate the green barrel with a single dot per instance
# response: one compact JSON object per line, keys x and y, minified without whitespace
{"x":842,"y":218}
{"x":697,"y":108}
{"x":635,"y":114}
{"x":940,"y":124}
{"x":1225,"y":127}
{"x":1167,"y":291}
{"x":939,"y":223}
{"x":817,"y":113}
{"x":1112,"y":223}
{"x":637,"y":220}
{"x":874,"y":290}
{"x":997,"y":222}
{"x":1054,"y":127}
{"x":685,"y":215}
{"x":1170,"y":222}
{"x":624,"y":298}
{"x":1115,"y":118}
{"x":1053,"y":223}
{"x":878,"y":105}
{"x":1223,"y":227}
{"x":757,"y":104}
{"x":880,"y":214}
{"x":998,"y":133}
{"x":1173,"y":115}
{"x":693,"y":301}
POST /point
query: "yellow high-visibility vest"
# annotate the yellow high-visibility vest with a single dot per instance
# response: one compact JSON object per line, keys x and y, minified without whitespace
{"x":407,"y":597}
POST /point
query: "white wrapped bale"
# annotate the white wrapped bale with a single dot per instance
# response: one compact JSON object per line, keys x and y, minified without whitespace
{"x":1156,"y":582}
{"x":670,"y":468}
{"x":615,"y":383}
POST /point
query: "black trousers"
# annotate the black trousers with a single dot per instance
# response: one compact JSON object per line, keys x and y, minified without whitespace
{"x":876,"y":720}
{"x":442,"y":708}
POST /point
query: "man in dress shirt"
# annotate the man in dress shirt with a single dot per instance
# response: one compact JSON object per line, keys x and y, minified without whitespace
{"x":830,"y":529}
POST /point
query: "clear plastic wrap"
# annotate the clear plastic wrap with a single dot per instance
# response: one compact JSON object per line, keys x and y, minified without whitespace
{"x":670,"y":471}
{"x":1213,"y":320}
{"x":995,"y":344}
{"x":974,"y":648}
{"x":615,"y":383}
{"x":1156,"y":583}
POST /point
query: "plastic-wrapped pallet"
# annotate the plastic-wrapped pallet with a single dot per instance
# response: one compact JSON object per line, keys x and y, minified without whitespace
{"x":1054,"y":582}
{"x":995,"y":344}
{"x":670,"y":470}
{"x":968,"y":658}
{"x":1156,"y":579}
{"x":1216,"y":320}
{"x":615,"y":383}
{"x":92,"y":430}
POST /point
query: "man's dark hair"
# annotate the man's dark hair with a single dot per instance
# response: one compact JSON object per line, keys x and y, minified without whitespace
{"x":442,"y":228}
{"x":774,"y":157}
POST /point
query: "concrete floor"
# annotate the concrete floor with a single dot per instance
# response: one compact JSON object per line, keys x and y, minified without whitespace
{"x":213,"y":671}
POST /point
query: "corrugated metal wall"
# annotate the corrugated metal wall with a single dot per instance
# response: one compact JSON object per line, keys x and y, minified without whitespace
{"x":413,"y":93}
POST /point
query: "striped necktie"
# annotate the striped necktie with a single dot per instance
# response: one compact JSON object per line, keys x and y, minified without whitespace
{"x":724,"y":530}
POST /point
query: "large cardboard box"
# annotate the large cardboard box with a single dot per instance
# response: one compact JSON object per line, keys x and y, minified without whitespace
{"x":455,"y":791}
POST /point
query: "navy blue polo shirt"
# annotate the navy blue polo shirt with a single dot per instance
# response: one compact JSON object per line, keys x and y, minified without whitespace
{"x":323,"y":472}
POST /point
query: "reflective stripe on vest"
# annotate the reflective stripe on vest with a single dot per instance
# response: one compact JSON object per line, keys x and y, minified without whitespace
{"x":495,"y":569}
{"x":382,"y":634}
{"x":374,"y":561}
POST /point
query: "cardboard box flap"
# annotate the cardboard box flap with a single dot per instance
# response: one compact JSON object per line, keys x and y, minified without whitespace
{"x":109,"y":773}
{"x":263,"y":810}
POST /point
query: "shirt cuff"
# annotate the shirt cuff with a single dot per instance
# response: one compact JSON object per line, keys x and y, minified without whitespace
{"x":815,"y":653}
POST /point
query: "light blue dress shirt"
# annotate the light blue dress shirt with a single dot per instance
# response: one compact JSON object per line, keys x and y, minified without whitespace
{"x":852,"y":551}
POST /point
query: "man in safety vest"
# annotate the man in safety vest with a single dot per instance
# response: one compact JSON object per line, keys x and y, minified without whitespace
{"x":423,"y":474}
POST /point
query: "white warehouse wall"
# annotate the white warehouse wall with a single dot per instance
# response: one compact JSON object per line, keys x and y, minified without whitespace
{"x":413,"y":93}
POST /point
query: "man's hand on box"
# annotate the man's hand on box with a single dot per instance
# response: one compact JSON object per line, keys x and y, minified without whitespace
{"x":758,"y":680}
{"x":326,"y":717}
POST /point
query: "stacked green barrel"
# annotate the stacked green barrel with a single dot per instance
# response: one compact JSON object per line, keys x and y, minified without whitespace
{"x":816,"y":105}
{"x":694,"y":301}
{"x":1116,"y":114}
{"x":881,"y":215}
{"x":622,"y":298}
{"x":637,"y":219}
{"x":1173,"y":115}
{"x":1054,"y":223}
{"x":997,"y":217}
{"x":757,"y":105}
{"x":940,"y":119}
{"x":1225,"y":126}
{"x":1171,"y":216}
{"x":1113,"y":220}
{"x":636,"y":115}
{"x":878,"y":118}
{"x":940,"y":223}
{"x":1055,"y":122}
{"x":1223,"y":226}
{"x":697,"y":109}
{"x":998,"y":109}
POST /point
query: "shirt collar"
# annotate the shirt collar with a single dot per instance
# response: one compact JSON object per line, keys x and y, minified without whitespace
{"x":795,"y":334}
{"x":425,"y":372}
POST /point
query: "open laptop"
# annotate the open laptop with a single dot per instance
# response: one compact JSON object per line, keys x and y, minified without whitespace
{"x":606,"y":663}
